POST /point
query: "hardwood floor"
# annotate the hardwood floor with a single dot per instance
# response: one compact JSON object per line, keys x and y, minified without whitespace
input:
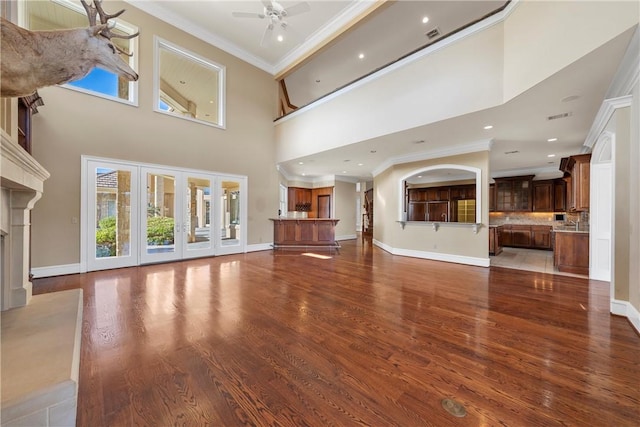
{"x":362,"y":337}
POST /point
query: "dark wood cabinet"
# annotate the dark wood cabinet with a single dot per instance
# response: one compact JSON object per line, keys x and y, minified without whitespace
{"x":543,"y":192}
{"x":514,"y":194}
{"x":571,"y":252}
{"x":462,"y":192}
{"x":495,"y":240}
{"x":438,"y":211}
{"x":559,"y":195}
{"x":541,"y":237}
{"x":417,"y":211}
{"x":299,"y":199}
{"x":521,"y":236}
{"x":492,"y":197}
{"x":577,"y":171}
{"x":527,"y":236}
{"x":507,"y":236}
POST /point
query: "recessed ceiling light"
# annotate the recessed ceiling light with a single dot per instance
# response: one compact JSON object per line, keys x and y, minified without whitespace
{"x":361,"y":56}
{"x":304,"y":174}
{"x":211,"y":102}
{"x":360,"y":164}
{"x":425,"y":19}
{"x":344,"y":171}
{"x":301,"y":163}
{"x":280,"y":38}
{"x":552,"y":139}
{"x":419,"y":176}
{"x":551,"y":155}
{"x":487,"y":127}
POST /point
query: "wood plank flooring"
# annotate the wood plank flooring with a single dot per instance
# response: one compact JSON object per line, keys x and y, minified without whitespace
{"x":360,"y":338}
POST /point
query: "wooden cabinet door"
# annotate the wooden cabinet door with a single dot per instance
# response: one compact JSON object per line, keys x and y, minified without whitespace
{"x":559,"y":195}
{"x":541,"y":237}
{"x":492,"y":197}
{"x":543,"y":196}
{"x":507,"y":239}
{"x":521,"y":236}
{"x":438,"y":211}
{"x":581,"y":182}
{"x":417,"y":211}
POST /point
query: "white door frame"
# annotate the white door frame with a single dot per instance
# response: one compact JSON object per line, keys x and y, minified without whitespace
{"x":88,"y":259}
{"x":138,"y":209}
{"x":602,"y":190}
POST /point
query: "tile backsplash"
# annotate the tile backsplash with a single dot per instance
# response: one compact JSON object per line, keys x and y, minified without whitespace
{"x":536,"y":218}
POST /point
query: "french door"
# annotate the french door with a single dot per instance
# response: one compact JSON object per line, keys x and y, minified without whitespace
{"x":141,"y":214}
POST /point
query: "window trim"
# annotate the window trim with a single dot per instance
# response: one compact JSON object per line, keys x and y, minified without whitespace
{"x":120,"y":25}
{"x":159,"y":43}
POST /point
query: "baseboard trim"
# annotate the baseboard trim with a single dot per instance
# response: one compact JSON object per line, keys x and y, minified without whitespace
{"x":55,"y":270}
{"x":347,"y":237}
{"x":625,"y":309}
{"x":259,"y":247}
{"x":435,"y":256}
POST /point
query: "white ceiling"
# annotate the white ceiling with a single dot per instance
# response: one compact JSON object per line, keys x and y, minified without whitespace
{"x":390,"y":32}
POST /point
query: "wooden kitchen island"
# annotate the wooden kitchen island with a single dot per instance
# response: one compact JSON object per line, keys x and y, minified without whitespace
{"x":303,"y":232}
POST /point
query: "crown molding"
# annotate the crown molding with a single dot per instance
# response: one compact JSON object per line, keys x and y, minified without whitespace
{"x":528,"y":171}
{"x":608,"y":107}
{"x":327,"y":31}
{"x":483,"y":145}
{"x":155,"y":9}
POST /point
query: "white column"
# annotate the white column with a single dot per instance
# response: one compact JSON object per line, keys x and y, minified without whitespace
{"x":21,"y":203}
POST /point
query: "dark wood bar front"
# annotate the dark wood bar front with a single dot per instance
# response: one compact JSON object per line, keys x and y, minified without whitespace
{"x":304,"y":232}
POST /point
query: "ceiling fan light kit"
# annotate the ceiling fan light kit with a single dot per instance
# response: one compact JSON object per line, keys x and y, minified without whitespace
{"x":276,"y":14}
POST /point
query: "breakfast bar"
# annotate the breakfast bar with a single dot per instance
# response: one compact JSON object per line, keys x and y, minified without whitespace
{"x":302,"y":232}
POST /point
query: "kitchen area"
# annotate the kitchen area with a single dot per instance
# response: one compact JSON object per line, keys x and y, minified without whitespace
{"x":542,"y":225}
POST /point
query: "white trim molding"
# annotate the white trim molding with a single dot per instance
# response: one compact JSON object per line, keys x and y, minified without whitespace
{"x":625,"y":309}
{"x":608,"y":107}
{"x":55,"y":270}
{"x":259,"y":247}
{"x":434,"y":256}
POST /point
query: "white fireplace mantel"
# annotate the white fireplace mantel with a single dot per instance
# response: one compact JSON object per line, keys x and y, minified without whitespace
{"x":22,"y":184}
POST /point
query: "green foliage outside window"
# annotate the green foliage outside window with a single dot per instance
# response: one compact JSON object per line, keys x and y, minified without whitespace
{"x":159,"y":232}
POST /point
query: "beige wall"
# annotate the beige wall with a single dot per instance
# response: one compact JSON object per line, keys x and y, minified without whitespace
{"x":448,"y":240}
{"x":621,"y":122}
{"x":72,"y":124}
{"x":542,"y":37}
{"x":345,"y":208}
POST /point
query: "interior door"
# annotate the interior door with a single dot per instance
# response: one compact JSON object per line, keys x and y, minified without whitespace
{"x":111,"y":222}
{"x":162,"y":221}
{"x":231,"y":221}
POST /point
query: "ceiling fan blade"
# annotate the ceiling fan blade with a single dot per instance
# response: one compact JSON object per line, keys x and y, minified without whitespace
{"x":266,"y":37}
{"x":247,"y":15}
{"x":296,"y":9}
{"x":267,"y":3}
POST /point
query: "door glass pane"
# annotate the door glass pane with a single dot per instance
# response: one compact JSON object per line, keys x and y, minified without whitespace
{"x":230,"y":213}
{"x":113,"y":213}
{"x":160,"y":213}
{"x":198,"y":210}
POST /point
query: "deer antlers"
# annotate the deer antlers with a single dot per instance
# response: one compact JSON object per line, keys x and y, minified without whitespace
{"x":105,"y":27}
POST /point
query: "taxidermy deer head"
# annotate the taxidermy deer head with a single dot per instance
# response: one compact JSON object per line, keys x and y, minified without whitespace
{"x":34,"y":59}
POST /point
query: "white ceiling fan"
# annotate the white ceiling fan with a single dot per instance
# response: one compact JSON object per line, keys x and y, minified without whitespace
{"x":276,"y":15}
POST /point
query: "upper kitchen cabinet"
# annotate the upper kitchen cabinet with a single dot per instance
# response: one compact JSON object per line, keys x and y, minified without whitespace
{"x":514,"y":194}
{"x":543,"y":196}
{"x":578,"y":171}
